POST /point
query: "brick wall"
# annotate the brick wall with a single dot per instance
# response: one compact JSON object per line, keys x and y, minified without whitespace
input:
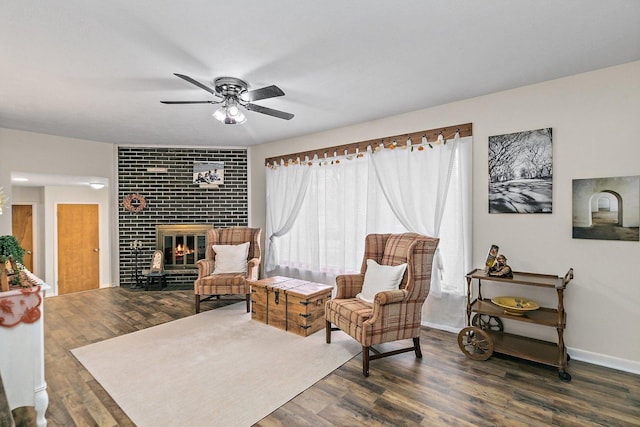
{"x":172,"y":198}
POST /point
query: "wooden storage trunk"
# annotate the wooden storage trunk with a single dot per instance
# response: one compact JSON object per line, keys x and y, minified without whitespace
{"x":293,"y":305}
{"x":259,"y":293}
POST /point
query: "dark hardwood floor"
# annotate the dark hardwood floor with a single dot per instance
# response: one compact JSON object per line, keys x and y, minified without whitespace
{"x":444,"y":388}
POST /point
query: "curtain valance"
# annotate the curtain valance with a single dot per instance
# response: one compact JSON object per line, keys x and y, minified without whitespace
{"x":430,"y":135}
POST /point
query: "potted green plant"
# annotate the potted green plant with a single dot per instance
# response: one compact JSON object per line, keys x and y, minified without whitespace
{"x":11,"y":262}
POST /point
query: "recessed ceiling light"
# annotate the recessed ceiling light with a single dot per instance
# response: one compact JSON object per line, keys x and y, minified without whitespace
{"x":96,"y":185}
{"x":19,"y":179}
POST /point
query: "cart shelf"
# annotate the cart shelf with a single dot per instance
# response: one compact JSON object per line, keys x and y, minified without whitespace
{"x":520,"y":278}
{"x":543,"y":316}
{"x":526,"y":348}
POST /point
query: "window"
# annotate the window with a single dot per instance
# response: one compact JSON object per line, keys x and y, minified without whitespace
{"x":344,"y":200}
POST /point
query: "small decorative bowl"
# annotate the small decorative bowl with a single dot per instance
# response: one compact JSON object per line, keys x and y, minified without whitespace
{"x":516,"y":306}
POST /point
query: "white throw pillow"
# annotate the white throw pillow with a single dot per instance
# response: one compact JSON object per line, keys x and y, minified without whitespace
{"x":379,"y":278}
{"x":231,"y":258}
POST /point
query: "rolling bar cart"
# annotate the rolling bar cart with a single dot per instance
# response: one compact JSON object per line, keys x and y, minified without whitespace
{"x":485,"y":334}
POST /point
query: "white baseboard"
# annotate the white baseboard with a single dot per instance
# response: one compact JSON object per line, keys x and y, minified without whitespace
{"x":451,"y":329}
{"x":604,"y":360}
{"x":612,"y":362}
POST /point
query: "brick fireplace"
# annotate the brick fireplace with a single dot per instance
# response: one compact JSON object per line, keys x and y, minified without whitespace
{"x":164,"y":177}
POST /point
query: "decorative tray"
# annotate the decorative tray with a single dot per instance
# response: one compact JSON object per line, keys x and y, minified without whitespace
{"x":516,"y":306}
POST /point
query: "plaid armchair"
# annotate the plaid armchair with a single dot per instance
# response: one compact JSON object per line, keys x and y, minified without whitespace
{"x":209,"y":285}
{"x":393,"y":315}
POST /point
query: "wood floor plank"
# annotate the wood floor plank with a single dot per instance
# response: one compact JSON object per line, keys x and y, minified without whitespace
{"x":444,"y":388}
{"x":111,"y":407}
{"x":293,"y":415}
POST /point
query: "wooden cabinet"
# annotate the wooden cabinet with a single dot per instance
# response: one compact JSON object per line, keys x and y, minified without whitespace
{"x":22,"y":348}
{"x":485,"y":333}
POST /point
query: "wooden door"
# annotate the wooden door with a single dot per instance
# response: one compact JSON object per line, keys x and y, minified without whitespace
{"x":78,"y":250}
{"x":22,"y":229}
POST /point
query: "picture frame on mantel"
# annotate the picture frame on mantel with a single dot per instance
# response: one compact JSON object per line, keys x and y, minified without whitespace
{"x":521,"y":172}
{"x":157,"y":262}
{"x":208,"y":175}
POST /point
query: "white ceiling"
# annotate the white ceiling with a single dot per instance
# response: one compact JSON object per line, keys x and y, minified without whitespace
{"x":97,"y":70}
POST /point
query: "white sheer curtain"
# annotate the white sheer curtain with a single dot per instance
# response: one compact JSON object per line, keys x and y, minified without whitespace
{"x":327,"y":238}
{"x":286,"y":189}
{"x":416,"y":185}
{"x":447,"y":310}
{"x":345,"y":201}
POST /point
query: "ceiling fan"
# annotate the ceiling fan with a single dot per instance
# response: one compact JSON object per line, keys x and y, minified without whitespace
{"x":233,"y":93}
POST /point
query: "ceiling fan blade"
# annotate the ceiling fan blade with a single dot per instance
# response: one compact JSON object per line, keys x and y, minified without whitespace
{"x":263,"y":93}
{"x":269,"y":111}
{"x":197,"y":83}
{"x":188,"y":102}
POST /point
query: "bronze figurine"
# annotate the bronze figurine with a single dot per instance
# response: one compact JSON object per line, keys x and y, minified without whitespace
{"x":500,"y":268}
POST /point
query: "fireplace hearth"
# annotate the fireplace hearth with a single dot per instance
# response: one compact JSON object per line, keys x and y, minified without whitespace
{"x":183,"y":245}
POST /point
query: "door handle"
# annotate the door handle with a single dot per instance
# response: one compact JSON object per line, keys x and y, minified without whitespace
{"x":96,"y":249}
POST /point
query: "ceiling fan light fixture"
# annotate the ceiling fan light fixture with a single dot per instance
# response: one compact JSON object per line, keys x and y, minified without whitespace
{"x":220,"y":114}
{"x":235,"y":119}
{"x":233,"y":94}
{"x":232,"y":108}
{"x":230,"y":114}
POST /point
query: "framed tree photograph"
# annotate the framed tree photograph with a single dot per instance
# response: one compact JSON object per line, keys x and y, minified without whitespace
{"x":520,"y":172}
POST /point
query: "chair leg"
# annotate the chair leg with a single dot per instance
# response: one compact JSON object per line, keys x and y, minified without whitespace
{"x":197,"y":304}
{"x":328,"y":332}
{"x":248,"y":297}
{"x":365,"y":361}
{"x":418,"y":350}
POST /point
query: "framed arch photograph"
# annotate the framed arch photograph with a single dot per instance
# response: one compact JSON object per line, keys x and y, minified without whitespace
{"x":607,"y":208}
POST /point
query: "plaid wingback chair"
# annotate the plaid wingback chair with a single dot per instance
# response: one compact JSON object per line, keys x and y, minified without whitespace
{"x":209,"y":285}
{"x":393,"y":315}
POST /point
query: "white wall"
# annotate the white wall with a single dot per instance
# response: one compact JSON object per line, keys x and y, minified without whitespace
{"x":45,"y":154}
{"x":593,"y":116}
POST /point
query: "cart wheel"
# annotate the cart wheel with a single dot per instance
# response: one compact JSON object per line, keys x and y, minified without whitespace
{"x":564,"y":376}
{"x":475,"y":343}
{"x":487,"y":322}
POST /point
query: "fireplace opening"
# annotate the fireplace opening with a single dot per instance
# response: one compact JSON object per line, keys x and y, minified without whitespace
{"x":183,"y":245}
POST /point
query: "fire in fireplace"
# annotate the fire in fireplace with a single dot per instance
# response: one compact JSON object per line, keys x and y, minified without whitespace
{"x":182,"y":244}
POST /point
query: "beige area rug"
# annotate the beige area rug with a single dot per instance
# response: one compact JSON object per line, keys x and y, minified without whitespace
{"x":217,"y":368}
